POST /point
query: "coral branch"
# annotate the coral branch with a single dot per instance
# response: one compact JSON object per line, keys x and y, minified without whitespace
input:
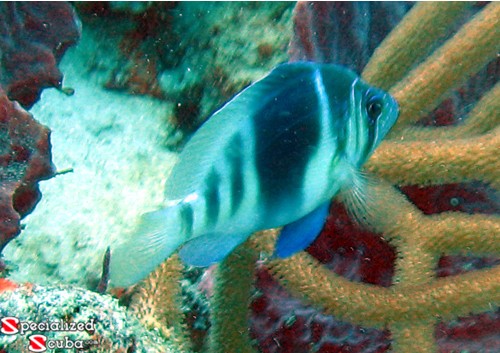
{"x":404,"y":226}
{"x":158,"y":302}
{"x":416,"y":33}
{"x":234,"y":280}
{"x":484,"y":117}
{"x":438,"y":162}
{"x":375,"y":306}
{"x":415,"y":337}
{"x":459,"y":233}
{"x":473,"y":46}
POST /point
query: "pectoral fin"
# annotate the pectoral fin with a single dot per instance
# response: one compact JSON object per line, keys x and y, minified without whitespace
{"x":300,"y":234}
{"x":360,"y":198}
{"x":208,"y":249}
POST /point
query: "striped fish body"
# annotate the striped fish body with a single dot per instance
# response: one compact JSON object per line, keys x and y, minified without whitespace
{"x":273,"y":155}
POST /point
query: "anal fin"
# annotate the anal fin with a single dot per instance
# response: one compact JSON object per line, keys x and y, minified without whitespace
{"x":300,"y":234}
{"x":208,"y":249}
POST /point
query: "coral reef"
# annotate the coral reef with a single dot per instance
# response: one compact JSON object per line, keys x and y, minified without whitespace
{"x":163,"y":310}
{"x":419,"y":279}
{"x":145,"y":48}
{"x":33,"y":38}
{"x":108,"y":327}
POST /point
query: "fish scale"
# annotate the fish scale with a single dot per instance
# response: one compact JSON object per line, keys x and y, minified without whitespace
{"x":274,"y":155}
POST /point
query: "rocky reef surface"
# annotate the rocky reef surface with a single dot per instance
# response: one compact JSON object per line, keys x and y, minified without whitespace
{"x":105,"y":325}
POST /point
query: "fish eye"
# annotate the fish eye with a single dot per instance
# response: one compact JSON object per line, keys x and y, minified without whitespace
{"x":374,"y":107}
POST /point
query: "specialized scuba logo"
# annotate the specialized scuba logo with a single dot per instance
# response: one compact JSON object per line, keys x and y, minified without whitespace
{"x":38,"y":342}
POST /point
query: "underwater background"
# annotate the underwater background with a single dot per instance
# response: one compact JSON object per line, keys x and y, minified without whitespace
{"x":135,"y":80}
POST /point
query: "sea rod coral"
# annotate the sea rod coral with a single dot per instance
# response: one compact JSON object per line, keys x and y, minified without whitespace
{"x":420,"y":76}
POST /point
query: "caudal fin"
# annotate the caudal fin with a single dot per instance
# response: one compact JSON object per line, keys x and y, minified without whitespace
{"x":156,"y":237}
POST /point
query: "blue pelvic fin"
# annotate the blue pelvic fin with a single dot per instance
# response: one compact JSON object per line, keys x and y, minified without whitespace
{"x":208,"y":249}
{"x":300,"y":234}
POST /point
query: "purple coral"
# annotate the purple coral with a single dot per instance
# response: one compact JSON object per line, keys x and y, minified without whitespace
{"x":25,"y":159}
{"x":344,"y":33}
{"x":33,"y":38}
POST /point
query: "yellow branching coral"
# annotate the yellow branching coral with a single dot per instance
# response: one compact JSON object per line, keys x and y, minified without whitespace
{"x":157,"y":302}
{"x":414,"y":155}
{"x":230,"y":320}
{"x":453,"y":160}
{"x":416,"y":33}
{"x":472,"y":47}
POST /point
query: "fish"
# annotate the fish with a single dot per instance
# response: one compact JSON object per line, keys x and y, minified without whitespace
{"x":274,"y":155}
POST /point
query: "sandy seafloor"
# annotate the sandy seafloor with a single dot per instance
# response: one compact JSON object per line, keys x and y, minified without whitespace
{"x":113,"y":141}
